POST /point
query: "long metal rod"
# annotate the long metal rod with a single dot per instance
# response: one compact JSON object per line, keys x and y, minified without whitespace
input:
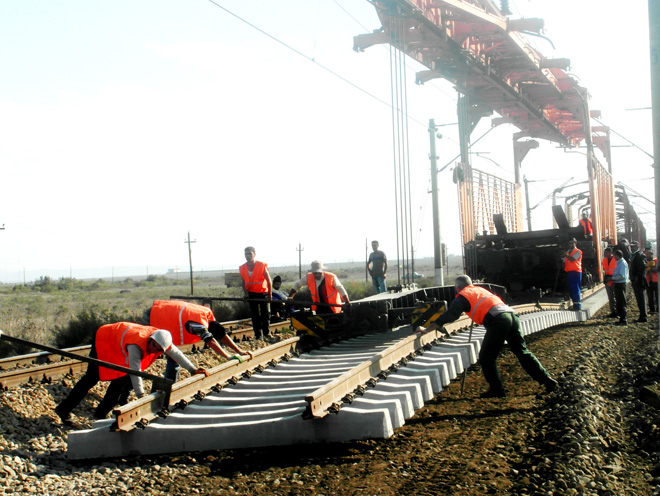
{"x":290,"y":302}
{"x":159,"y":383}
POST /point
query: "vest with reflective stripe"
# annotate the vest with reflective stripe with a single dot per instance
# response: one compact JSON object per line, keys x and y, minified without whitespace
{"x":256,"y":283}
{"x":609,"y":264}
{"x":111,"y":342}
{"x":172,"y":316}
{"x":571,"y":265}
{"x":333,"y":295}
{"x":481,"y":301}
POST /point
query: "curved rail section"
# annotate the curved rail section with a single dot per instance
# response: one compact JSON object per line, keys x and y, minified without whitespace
{"x":374,"y":382}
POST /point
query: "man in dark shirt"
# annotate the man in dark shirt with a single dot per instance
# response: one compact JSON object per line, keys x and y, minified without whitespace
{"x":638,"y":279}
{"x":378,"y":269}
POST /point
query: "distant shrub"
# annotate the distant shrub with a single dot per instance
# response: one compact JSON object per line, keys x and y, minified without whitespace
{"x":81,"y":328}
{"x":358,"y":290}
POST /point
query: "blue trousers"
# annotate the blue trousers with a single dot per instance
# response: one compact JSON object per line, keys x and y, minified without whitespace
{"x":574,"y":284}
{"x":379,"y":284}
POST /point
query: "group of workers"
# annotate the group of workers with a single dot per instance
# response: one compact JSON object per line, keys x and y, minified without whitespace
{"x":629,"y":263}
{"x":171,"y":323}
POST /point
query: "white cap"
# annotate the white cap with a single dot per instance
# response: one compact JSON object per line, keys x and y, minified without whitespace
{"x":317,"y":266}
{"x":163,"y":338}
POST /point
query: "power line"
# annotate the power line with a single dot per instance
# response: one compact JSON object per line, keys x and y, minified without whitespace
{"x":310,"y":59}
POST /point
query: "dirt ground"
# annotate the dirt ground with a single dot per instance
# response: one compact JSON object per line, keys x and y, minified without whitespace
{"x":460,"y":444}
{"x":591,"y":436}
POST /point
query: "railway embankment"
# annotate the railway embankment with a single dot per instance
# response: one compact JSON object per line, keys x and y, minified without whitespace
{"x":591,"y":436}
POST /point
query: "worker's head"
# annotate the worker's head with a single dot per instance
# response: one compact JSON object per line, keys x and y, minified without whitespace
{"x":317,"y":269}
{"x":584,"y":215}
{"x":462,"y":281}
{"x":277,"y":282}
{"x":572,"y":242}
{"x":250,"y":252}
{"x":649,"y":253}
{"x":374,"y":245}
{"x":618,"y":254}
{"x":159,"y":341}
{"x":608,"y":252}
{"x":634,"y":246}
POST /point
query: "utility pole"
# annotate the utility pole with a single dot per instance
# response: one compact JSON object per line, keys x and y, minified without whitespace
{"x":437,"y":253}
{"x":366,"y":259}
{"x":300,"y":249}
{"x":192,"y":289}
{"x":654,"y":42}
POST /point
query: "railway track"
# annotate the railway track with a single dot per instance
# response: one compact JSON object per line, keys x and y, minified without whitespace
{"x":46,"y":366}
{"x":355,"y":389}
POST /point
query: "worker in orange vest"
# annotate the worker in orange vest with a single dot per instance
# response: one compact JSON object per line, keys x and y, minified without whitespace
{"x":585,"y":222}
{"x":257,"y":285}
{"x":652,"y":279}
{"x":573,"y":268}
{"x":502,"y":325}
{"x":324,"y":287}
{"x":609,"y":264}
{"x":190,"y":323}
{"x":129,"y":345}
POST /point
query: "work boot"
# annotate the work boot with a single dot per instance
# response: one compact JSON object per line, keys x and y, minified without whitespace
{"x":65,"y":418}
{"x":612,"y":316}
{"x":493,"y":393}
{"x":550,"y":385}
{"x":621,"y":323}
{"x":644,"y":319}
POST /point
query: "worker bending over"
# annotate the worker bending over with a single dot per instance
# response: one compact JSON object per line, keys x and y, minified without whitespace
{"x":190,"y":323}
{"x":502,"y":324}
{"x":128,"y":345}
{"x":325,"y":287}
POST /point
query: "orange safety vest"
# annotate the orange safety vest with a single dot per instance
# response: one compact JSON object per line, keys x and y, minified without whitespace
{"x":172,"y":316}
{"x":609,"y":264}
{"x":481,"y":301}
{"x":571,"y":265}
{"x":586,"y":225}
{"x":651,"y":276}
{"x":333,"y":295}
{"x":257,"y":282}
{"x":111,"y":342}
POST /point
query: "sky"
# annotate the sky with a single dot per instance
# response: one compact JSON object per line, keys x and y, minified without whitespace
{"x":127,"y":125}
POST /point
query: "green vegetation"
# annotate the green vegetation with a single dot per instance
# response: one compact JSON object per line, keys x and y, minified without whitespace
{"x":65,"y":312}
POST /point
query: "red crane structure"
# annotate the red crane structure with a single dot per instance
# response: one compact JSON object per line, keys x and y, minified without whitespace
{"x":485,"y":55}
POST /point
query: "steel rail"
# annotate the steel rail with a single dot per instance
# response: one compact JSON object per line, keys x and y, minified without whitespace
{"x":58,"y":368}
{"x":40,"y":358}
{"x":139,"y":413}
{"x":328,"y":397}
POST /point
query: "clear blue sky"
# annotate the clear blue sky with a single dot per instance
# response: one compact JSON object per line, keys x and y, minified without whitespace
{"x":127,"y":124}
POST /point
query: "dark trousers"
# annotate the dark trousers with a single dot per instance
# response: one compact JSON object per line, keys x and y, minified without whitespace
{"x":611,"y":298}
{"x":621,"y":303}
{"x":505,"y":327}
{"x":117,"y":393}
{"x":652,"y":295}
{"x":260,"y":315}
{"x":639,"y":288}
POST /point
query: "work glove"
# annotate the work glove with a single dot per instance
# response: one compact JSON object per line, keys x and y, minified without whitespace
{"x":236,"y":357}
{"x":420,"y":330}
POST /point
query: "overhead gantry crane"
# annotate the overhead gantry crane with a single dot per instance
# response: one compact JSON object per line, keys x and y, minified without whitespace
{"x":487,"y":58}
